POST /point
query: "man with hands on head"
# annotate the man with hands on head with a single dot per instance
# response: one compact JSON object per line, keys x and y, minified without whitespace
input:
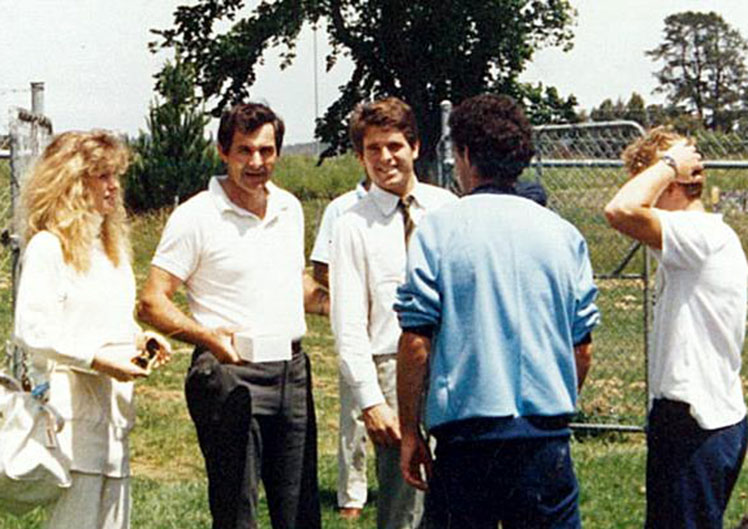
{"x":367,"y":265}
{"x":696,"y":427}
{"x":497,"y":311}
{"x":238,"y":248}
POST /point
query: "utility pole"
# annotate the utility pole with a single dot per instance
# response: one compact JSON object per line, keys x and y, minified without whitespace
{"x":37,"y":98}
{"x":316,"y":90}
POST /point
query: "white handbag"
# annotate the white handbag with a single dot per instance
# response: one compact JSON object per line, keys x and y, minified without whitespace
{"x":33,"y":470}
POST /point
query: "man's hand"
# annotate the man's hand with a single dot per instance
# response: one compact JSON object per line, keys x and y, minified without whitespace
{"x":222,"y":346}
{"x":688,"y":163}
{"x":316,"y":295}
{"x":382,"y":425}
{"x":415,"y":461}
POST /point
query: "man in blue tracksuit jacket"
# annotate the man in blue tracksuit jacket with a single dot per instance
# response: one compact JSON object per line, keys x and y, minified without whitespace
{"x":497,"y":312}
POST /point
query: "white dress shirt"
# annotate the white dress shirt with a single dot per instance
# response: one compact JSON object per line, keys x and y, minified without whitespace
{"x":367,"y":266}
{"x":333,"y":211}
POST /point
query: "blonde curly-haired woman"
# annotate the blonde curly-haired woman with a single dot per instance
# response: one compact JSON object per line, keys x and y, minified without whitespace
{"x":74,"y":318}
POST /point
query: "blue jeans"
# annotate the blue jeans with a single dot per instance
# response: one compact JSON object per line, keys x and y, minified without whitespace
{"x":522,"y":483}
{"x":690,"y":471}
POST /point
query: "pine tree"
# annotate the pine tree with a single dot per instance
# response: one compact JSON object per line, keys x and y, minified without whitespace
{"x":172,"y":160}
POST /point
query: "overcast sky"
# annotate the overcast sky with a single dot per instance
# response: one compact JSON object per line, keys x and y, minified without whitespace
{"x":93,"y":59}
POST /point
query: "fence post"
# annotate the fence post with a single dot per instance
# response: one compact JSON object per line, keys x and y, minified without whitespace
{"x":445,"y":159}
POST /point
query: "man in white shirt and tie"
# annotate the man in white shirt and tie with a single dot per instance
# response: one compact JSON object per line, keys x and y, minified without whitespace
{"x":367,"y":265}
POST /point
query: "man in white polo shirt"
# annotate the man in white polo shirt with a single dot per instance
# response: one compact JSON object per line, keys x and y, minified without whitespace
{"x":239,"y":250}
{"x":367,"y":265}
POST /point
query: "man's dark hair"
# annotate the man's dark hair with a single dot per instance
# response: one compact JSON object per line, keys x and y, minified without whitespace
{"x":497,"y":135}
{"x":248,"y":117}
{"x":388,"y":113}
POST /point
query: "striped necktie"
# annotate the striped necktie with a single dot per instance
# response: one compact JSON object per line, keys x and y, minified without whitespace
{"x":404,"y":205}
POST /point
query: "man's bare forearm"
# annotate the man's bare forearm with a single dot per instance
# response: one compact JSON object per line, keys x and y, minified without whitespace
{"x":166,"y":317}
{"x":583,"y":360}
{"x":412,"y":361}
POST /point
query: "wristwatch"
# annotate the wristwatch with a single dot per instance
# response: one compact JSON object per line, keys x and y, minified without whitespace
{"x":670,"y":161}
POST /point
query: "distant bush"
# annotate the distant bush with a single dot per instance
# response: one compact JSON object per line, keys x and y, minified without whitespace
{"x":301,"y":175}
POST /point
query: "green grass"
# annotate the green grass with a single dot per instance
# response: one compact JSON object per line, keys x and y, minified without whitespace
{"x":169,"y":485}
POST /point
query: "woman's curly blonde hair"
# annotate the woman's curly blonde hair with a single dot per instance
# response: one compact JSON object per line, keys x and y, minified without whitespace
{"x":646,"y":150}
{"x":57,"y":197}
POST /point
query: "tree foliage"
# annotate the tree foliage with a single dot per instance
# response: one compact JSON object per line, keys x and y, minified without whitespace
{"x":423,"y":52}
{"x":634,"y":109}
{"x":173,"y":159}
{"x":704,"y":68}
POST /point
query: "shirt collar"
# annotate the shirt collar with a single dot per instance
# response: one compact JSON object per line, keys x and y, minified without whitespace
{"x":224,"y":203}
{"x":387,"y":202}
{"x":361,"y":190}
{"x":495,"y":189}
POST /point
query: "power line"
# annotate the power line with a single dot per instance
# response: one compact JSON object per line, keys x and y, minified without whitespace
{"x":14,"y":90}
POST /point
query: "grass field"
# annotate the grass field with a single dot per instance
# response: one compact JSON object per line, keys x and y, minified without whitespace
{"x":169,"y":486}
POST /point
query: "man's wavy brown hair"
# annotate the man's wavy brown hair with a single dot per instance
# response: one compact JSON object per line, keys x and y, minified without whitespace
{"x":388,"y":113}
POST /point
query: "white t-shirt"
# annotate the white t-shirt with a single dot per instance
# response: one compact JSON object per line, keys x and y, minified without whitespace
{"x":700,"y":317}
{"x":339,"y":205}
{"x":239,"y":270}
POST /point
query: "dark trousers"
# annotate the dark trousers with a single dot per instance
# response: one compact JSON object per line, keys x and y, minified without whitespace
{"x":522,"y":483}
{"x":253,"y":422}
{"x":690,"y":471}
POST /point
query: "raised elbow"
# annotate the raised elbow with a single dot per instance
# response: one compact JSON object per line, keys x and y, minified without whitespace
{"x":616,"y":215}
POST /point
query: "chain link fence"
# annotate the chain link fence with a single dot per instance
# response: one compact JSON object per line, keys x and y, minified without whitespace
{"x":580,"y":167}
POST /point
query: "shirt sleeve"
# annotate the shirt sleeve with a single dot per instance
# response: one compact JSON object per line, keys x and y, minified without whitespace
{"x":178,"y":250}
{"x":349,"y":310}
{"x":587,"y":315}
{"x":323,"y":242}
{"x":687,"y":238}
{"x":418,"y":303}
{"x":39,"y":324}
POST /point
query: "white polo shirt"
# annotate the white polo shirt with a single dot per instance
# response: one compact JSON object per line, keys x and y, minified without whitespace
{"x":699,"y":318}
{"x":239,"y":270}
{"x":367,"y":266}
